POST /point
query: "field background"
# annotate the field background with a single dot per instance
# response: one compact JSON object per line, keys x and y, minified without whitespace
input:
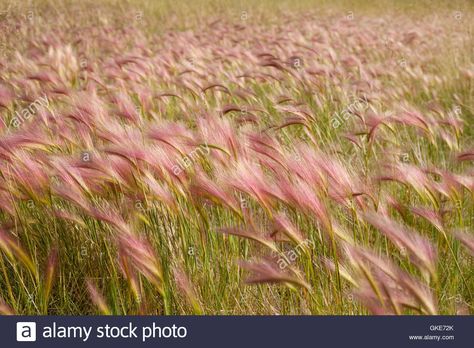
{"x":188,"y":149}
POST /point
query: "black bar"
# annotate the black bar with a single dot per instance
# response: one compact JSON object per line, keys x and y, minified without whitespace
{"x":243,"y":331}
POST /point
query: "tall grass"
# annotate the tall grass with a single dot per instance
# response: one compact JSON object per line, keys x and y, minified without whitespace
{"x":225,"y":157}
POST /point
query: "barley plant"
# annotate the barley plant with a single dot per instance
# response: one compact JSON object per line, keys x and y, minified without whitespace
{"x":236,"y":157}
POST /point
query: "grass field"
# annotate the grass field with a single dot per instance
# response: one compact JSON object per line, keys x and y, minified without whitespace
{"x":236,"y":157}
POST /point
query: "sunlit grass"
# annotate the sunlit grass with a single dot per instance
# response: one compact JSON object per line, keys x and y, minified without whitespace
{"x":182,"y":158}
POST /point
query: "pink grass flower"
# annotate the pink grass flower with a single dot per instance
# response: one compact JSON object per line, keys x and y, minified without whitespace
{"x":267,"y":271}
{"x":142,"y":257}
{"x":421,"y":251}
{"x":97,"y":298}
{"x":6,"y":96}
{"x":384,"y":287}
{"x":467,"y":239}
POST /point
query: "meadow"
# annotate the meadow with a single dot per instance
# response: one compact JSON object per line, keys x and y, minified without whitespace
{"x":236,"y":157}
